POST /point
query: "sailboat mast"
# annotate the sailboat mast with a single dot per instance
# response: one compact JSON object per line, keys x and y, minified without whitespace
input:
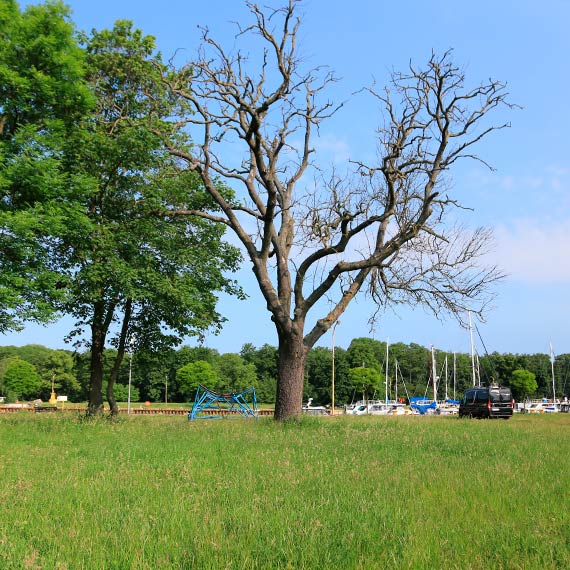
{"x":396,"y":379}
{"x":434,"y":374}
{"x":446,"y":396}
{"x":454,"y":373}
{"x":472,"y":349}
{"x":478,"y":371}
{"x":552,"y":369}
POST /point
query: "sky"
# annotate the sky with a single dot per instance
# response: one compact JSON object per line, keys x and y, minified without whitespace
{"x":525,"y":199}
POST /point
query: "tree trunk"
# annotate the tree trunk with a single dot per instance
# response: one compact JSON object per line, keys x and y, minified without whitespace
{"x":119,"y":359}
{"x":96,"y":406}
{"x":111,"y":397}
{"x":291,"y":375}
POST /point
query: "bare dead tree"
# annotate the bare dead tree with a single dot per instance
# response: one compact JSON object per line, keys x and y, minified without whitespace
{"x":384,"y":229}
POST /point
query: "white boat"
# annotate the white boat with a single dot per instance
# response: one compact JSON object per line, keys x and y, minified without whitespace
{"x":377,"y":408}
{"x":311,"y":410}
{"x":361,"y":407}
{"x":543,"y":406}
{"x":447,"y":408}
{"x":387,"y":409}
{"x":551,"y":407}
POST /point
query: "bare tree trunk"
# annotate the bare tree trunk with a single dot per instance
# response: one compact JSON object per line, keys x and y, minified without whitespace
{"x":291,"y":375}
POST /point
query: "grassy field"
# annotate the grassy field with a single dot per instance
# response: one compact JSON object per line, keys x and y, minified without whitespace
{"x":365,"y":492}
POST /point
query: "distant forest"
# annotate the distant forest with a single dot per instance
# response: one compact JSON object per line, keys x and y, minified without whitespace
{"x":172,"y":376}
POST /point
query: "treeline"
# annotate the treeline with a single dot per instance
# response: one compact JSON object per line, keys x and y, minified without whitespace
{"x":30,"y":371}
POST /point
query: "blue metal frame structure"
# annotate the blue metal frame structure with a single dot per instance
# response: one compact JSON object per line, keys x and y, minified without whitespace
{"x":211,"y":405}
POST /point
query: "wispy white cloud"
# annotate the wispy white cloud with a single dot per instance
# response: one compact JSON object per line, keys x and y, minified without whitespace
{"x":335,"y":148}
{"x":534,"y":250}
{"x":552,"y":177}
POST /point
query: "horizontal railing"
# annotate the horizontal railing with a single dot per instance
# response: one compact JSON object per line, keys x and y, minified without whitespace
{"x":133,"y":411}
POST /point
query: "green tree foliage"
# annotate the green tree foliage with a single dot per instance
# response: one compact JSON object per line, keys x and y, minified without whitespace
{"x":192,"y":375}
{"x":187,"y":354}
{"x":234,"y":373}
{"x":523,"y":383}
{"x":153,"y":372}
{"x":319,"y":376}
{"x":21,"y":379}
{"x":318,"y":372}
{"x":367,"y":353}
{"x":122,"y":393}
{"x":59,"y":365}
{"x":56,"y":365}
{"x":127,"y":270}
{"x":365,"y":380}
{"x":42,"y":95}
{"x":154,"y":375}
{"x":265,"y":361}
{"x":344,"y":390}
{"x":85,"y":184}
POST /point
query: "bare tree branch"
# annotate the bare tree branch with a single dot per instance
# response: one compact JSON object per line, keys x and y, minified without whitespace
{"x":383,"y":228}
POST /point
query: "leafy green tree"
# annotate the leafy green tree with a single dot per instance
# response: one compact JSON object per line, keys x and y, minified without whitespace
{"x":154,"y":373}
{"x":318,"y":370}
{"x":344,"y":390}
{"x":234,"y":374}
{"x":366,"y":352}
{"x":187,"y":354}
{"x":21,"y":379}
{"x":135,"y":278}
{"x":122,"y":393}
{"x":523,"y":383}
{"x":35,"y":354}
{"x":504,"y":366}
{"x":197,"y":373}
{"x":85,"y":186}
{"x":56,"y":365}
{"x":42,"y":95}
{"x":562,"y":374}
{"x":265,"y":361}
{"x":59,"y":366}
{"x":365,"y":380}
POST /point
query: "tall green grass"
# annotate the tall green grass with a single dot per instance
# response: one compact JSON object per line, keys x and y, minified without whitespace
{"x":366,"y":492}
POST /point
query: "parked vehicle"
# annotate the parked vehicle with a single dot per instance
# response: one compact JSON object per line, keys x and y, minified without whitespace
{"x":487,"y":402}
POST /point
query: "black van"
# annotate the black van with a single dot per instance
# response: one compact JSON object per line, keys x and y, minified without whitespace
{"x":487,"y":402}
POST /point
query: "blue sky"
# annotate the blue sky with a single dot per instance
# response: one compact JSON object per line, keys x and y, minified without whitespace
{"x":526,"y":200}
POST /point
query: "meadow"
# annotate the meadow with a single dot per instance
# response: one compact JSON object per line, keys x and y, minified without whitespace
{"x":146,"y":492}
